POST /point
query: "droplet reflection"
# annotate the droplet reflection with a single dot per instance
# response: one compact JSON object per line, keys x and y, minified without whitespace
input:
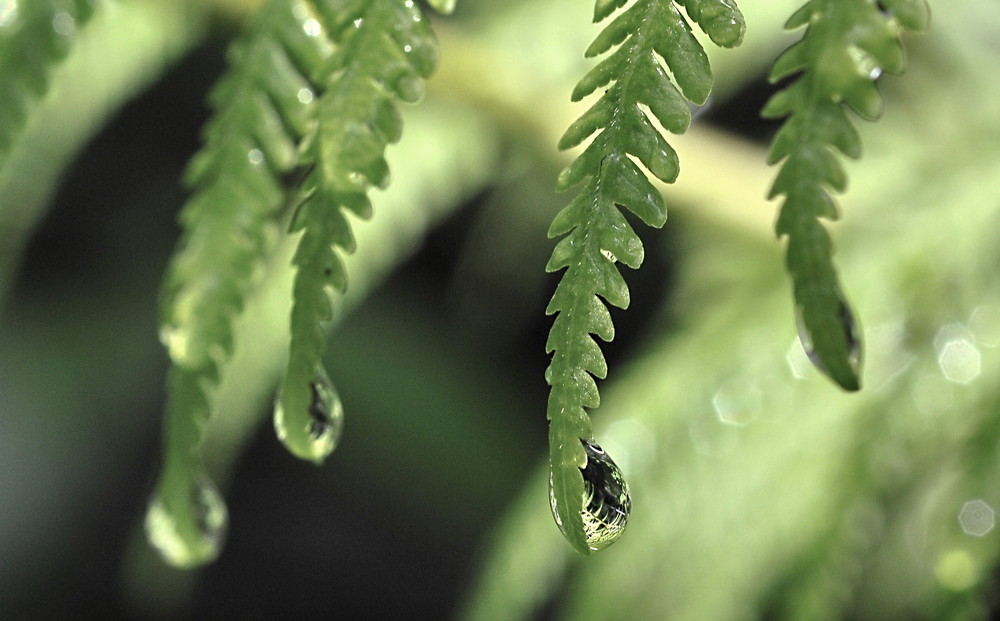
{"x":315,"y":435}
{"x":606,"y":502}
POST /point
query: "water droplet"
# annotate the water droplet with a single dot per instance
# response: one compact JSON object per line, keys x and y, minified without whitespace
{"x":606,"y":503}
{"x":199,"y":540}
{"x":845,"y":320}
{"x":8,"y":12}
{"x":315,"y":435}
{"x":256,"y":157}
{"x":977,"y":518}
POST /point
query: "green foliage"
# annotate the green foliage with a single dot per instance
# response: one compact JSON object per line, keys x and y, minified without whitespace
{"x":846,"y":47}
{"x":34,"y":36}
{"x":758,"y":494}
{"x":383,"y":51}
{"x":597,"y":235}
{"x":310,"y":100}
{"x":230,"y":223}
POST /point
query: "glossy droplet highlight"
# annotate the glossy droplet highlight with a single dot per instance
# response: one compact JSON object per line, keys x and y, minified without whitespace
{"x":188,"y":536}
{"x":605,"y":504}
{"x":849,"y":332}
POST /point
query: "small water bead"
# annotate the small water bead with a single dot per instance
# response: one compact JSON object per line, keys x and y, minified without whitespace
{"x":605,"y":505}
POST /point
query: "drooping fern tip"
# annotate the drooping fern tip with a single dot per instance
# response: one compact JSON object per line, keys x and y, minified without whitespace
{"x":301,"y":123}
{"x":655,"y":66}
{"x":846,"y":47}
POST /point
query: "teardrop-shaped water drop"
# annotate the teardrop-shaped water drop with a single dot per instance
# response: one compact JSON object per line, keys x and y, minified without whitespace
{"x":849,"y":379}
{"x":324,"y":421}
{"x":188,"y":538}
{"x":606,"y":502}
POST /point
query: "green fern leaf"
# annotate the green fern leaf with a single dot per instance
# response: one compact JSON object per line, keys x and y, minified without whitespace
{"x":385,"y":49}
{"x":847,"y":45}
{"x":34,"y":36}
{"x":721,"y":20}
{"x":264,"y":108}
{"x":310,"y":97}
{"x":597,"y":235}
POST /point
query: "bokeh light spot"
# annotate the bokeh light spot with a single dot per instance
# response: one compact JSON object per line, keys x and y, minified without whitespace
{"x":977,"y":518}
{"x":956,"y":570}
{"x":958,"y":356}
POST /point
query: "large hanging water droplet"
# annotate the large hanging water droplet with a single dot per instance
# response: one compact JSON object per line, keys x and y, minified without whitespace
{"x":605,"y":504}
{"x":847,"y":378}
{"x":323,"y":424}
{"x":192,"y":539}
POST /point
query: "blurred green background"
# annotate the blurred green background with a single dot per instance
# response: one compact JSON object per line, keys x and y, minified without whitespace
{"x":760,"y":490}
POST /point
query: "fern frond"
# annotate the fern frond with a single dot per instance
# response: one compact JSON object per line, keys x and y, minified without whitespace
{"x":651,"y":37}
{"x":846,"y":47}
{"x":311,"y":96}
{"x":264,"y":107}
{"x":385,"y":49}
{"x":34,"y":36}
